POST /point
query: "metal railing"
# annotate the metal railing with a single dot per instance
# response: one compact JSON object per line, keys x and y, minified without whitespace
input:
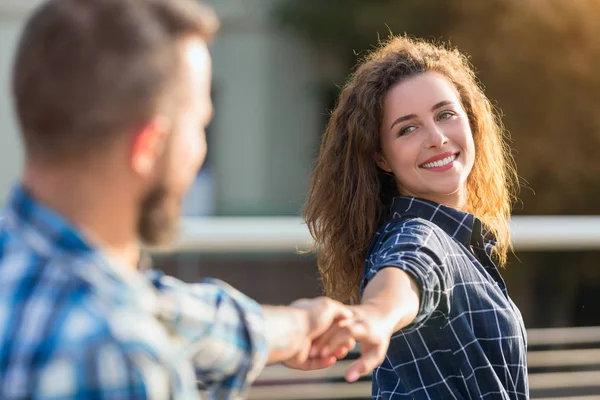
{"x":289,"y":234}
{"x":563,"y":364}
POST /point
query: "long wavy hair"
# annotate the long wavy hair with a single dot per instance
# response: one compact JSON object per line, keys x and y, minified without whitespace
{"x":349,"y":196}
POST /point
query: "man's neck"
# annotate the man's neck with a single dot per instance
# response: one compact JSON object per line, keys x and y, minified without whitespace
{"x":95,"y":203}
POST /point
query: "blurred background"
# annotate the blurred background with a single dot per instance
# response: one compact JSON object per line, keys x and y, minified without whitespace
{"x":278,"y":66}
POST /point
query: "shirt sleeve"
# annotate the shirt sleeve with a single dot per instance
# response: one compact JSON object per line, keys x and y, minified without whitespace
{"x":221,"y":330}
{"x":416,"y":249}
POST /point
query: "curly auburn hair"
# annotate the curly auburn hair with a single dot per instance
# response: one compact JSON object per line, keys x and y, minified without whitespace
{"x":349,"y":196}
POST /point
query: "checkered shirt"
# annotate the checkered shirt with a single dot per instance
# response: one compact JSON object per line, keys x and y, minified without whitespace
{"x":468,"y":340}
{"x":75,"y":324}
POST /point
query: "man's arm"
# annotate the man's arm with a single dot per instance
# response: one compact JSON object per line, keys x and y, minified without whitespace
{"x":220,"y":330}
{"x":291,"y":330}
{"x":230,"y":337}
{"x":286,"y":330}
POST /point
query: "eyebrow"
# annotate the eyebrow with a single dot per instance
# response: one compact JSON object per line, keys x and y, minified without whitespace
{"x":410,"y":116}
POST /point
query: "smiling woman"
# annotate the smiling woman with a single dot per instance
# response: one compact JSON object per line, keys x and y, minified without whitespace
{"x":409,"y":208}
{"x":429,"y":149}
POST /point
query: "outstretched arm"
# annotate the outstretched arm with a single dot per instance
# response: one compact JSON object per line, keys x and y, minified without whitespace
{"x":230,"y":337}
{"x":390,"y":303}
{"x":291,"y":331}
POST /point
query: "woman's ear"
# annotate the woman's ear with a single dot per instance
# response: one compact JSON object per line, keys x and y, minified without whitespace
{"x":381,"y":162}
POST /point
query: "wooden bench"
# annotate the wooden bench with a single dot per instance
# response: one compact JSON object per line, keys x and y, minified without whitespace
{"x":563,"y":364}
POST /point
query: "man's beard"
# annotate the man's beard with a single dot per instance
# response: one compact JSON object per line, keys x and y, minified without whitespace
{"x":159,"y":216}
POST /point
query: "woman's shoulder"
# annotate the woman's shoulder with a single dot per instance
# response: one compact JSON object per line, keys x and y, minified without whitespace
{"x":408,"y":224}
{"x":410,"y":229}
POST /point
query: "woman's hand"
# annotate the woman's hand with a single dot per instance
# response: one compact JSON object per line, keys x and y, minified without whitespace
{"x":370,"y":328}
{"x":322,"y":313}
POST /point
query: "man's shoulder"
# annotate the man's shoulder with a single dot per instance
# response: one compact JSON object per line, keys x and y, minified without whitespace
{"x":63,"y":343}
{"x":30,"y":271}
{"x":42,"y":305}
{"x":54,"y":321}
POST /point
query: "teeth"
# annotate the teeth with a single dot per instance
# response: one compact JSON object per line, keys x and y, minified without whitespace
{"x":440,"y":163}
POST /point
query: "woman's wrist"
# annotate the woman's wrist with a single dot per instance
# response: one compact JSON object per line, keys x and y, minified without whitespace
{"x":393,"y":296}
{"x":383,"y":319}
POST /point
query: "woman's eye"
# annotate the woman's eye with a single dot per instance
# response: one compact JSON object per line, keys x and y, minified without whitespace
{"x":445,"y":115}
{"x":406,"y":130}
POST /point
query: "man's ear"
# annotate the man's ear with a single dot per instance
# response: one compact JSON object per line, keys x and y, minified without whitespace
{"x":149,"y":143}
{"x":381,"y":162}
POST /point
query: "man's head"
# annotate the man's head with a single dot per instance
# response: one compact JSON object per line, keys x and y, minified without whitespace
{"x":120,"y":80}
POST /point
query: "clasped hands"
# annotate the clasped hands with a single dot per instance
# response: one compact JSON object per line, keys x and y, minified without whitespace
{"x":334,"y":329}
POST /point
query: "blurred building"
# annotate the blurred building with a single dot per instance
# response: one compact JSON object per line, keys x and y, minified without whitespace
{"x":263,"y":136}
{"x":269,"y":115}
{"x":12,"y":14}
{"x":261,"y":142}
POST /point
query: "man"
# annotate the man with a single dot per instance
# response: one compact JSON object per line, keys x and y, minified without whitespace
{"x":112,"y":97}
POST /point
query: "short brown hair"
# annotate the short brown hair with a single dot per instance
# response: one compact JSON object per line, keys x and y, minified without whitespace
{"x":88,"y":70}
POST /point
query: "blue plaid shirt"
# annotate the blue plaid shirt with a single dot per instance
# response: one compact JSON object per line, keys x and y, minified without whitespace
{"x":74,"y":324}
{"x":468,"y":340}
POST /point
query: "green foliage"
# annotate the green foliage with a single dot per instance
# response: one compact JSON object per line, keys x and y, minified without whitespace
{"x":346,"y":28}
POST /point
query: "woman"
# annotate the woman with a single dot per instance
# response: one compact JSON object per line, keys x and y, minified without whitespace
{"x":409,"y":207}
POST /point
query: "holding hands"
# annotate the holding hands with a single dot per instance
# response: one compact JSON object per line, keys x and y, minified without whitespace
{"x":390,"y":302}
{"x":366,"y":327}
{"x":334,"y":330}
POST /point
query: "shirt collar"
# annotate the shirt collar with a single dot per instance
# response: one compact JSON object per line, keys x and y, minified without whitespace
{"x":47,"y":232}
{"x":49,"y":226}
{"x":457,"y":224}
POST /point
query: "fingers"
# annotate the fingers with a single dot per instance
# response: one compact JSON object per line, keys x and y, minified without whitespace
{"x":327,"y":322}
{"x":317,"y":363}
{"x":333,"y":338}
{"x":334,"y":330}
{"x":342,"y":351}
{"x":369,"y":359}
{"x":324,"y":312}
{"x":360,"y":331}
{"x":302,"y":361}
{"x":342,"y":340}
{"x":373,"y":349}
{"x":343,"y":311}
{"x":340,"y":335}
{"x":326,"y":337}
{"x":332,"y":310}
{"x":336,"y":341}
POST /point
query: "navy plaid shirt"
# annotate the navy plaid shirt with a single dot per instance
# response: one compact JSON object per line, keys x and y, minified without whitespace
{"x":75,"y":324}
{"x":468,"y":340}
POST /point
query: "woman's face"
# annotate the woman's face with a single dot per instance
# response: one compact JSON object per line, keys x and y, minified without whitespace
{"x":426,"y":140}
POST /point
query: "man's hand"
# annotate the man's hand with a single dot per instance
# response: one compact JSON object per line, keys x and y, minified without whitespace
{"x":291,"y":330}
{"x":322,"y":313}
